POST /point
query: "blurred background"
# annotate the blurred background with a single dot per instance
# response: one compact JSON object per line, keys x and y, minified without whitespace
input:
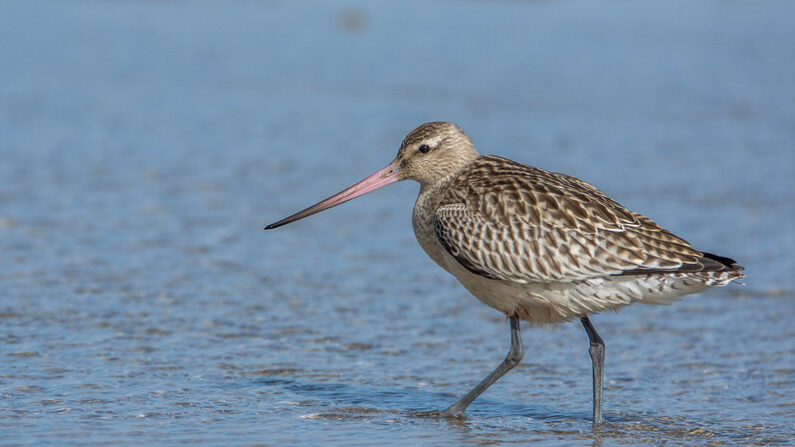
{"x":144,"y":145}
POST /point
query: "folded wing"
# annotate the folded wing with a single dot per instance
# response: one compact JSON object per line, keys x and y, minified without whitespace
{"x":504,"y":220}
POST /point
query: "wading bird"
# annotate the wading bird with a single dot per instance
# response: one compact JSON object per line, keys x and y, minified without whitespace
{"x":536,"y":245}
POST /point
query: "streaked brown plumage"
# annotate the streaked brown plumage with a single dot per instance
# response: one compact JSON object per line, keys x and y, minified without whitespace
{"x":547,"y":246}
{"x":537,"y":245}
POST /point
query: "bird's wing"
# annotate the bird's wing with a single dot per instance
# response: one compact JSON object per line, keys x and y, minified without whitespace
{"x":504,"y":220}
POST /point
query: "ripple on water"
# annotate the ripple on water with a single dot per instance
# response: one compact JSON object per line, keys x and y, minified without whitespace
{"x":145,"y":145}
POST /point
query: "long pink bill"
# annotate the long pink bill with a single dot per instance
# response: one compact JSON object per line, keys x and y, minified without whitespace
{"x":385,"y":176}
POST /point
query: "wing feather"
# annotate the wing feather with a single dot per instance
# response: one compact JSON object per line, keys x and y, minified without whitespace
{"x":508,"y":221}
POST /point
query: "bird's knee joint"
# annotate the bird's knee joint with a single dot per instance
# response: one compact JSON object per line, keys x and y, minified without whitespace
{"x":597,"y":350}
{"x":514,"y":358}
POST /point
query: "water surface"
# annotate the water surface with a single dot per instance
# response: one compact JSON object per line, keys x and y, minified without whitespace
{"x":144,"y":145}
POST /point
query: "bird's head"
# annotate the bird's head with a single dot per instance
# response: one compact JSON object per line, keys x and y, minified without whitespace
{"x":428,"y":154}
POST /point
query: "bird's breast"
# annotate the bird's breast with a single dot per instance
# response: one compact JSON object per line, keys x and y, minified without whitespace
{"x":424,"y":227}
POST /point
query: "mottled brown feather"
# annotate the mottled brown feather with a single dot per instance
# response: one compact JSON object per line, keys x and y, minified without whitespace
{"x":504,"y":220}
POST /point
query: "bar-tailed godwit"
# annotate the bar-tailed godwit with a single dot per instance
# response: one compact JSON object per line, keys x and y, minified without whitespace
{"x":536,"y":245}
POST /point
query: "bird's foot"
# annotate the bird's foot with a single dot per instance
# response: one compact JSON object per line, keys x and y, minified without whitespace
{"x":599,"y":423}
{"x":450,"y":413}
{"x":453,"y":412}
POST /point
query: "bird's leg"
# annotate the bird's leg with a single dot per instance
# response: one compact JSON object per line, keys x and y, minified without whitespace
{"x":597,"y":351}
{"x":513,"y":358}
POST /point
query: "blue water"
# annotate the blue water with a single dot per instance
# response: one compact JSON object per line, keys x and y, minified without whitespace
{"x":144,"y":145}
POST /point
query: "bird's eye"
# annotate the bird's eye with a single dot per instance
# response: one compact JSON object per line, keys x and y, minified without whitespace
{"x":424,"y":149}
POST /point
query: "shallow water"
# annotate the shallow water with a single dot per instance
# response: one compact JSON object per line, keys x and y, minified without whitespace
{"x":144,"y":145}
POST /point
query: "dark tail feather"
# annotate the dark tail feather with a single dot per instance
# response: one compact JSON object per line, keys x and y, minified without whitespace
{"x":724,"y":262}
{"x":707,"y":262}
